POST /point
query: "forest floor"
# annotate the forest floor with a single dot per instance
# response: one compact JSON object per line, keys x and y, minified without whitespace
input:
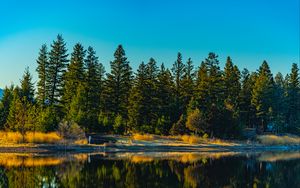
{"x":161,"y":144}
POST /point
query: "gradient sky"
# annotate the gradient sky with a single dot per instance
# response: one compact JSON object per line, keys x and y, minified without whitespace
{"x":247,"y":30}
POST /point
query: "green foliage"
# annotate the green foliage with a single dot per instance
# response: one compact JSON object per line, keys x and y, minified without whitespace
{"x":27,"y":88}
{"x":119,"y":125}
{"x":118,"y":84}
{"x":56,"y":69}
{"x":74,"y":75}
{"x":262,"y":95}
{"x":156,"y":100}
{"x":5,"y":103}
{"x":43,"y":63}
{"x":47,"y":119}
{"x":196,"y":122}
{"x":70,"y":130}
{"x":179,"y":127}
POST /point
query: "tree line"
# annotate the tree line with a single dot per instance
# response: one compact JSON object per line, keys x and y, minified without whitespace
{"x":202,"y":99}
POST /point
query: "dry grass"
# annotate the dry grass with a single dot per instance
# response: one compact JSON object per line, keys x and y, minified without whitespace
{"x":30,"y":137}
{"x":38,"y":137}
{"x":144,"y":137}
{"x":191,"y":139}
{"x":279,"y":140}
{"x":81,"y":142}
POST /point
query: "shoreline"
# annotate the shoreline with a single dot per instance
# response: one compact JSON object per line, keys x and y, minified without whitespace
{"x":118,"y":148}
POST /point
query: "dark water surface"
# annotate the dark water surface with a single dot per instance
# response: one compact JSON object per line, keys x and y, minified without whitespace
{"x":226,"y":169}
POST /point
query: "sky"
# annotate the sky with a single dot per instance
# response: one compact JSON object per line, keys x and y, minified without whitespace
{"x":249,"y":31}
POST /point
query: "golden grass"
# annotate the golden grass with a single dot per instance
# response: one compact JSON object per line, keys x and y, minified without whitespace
{"x":191,"y":139}
{"x":278,"y":140}
{"x":81,"y":142}
{"x":38,"y":137}
{"x":30,"y":137}
{"x":144,"y":137}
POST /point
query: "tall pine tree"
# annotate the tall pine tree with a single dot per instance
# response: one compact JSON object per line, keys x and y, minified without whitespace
{"x":42,"y":69}
{"x":58,"y":61}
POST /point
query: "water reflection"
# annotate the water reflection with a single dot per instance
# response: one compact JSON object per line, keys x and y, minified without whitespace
{"x":174,"y":169}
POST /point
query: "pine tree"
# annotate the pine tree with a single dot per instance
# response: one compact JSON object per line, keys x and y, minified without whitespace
{"x":94,"y":79}
{"x":293,"y":99}
{"x":247,"y":111}
{"x":42,"y":69}
{"x":118,"y":84}
{"x":166,"y":99}
{"x":178,"y":71}
{"x":280,"y":109}
{"x":27,"y":88}
{"x":188,"y":83}
{"x":74,"y":75}
{"x":232,"y":86}
{"x":78,"y":112}
{"x":57,"y":66}
{"x":5,"y":103}
{"x":201,"y":90}
{"x":143,"y":97}
{"x":262,"y":96}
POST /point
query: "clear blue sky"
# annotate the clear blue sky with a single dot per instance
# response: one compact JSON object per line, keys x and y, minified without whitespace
{"x":247,"y":30}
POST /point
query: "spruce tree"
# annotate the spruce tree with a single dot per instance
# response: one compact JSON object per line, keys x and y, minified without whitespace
{"x":94,"y":79}
{"x":262,"y":96}
{"x":247,"y":111}
{"x":188,"y":83}
{"x":144,"y":98}
{"x":137,"y":108}
{"x":5,"y":104}
{"x":166,"y":100}
{"x":42,"y":69}
{"x":58,"y":60}
{"x":280,"y":108}
{"x":293,"y":99}
{"x":27,"y":87}
{"x":118,"y":84}
{"x":74,"y":75}
{"x":178,"y":70}
{"x":232,"y":86}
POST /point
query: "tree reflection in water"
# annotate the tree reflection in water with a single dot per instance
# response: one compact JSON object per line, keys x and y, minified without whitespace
{"x":151,"y":170}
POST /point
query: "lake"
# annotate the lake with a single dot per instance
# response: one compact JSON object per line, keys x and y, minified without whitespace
{"x":168,"y":169}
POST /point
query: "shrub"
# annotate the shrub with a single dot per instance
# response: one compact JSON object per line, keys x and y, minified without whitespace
{"x":118,"y":124}
{"x":70,"y":130}
{"x":196,"y":122}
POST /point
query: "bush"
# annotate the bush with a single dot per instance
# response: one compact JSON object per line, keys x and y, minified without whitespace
{"x":196,"y":122}
{"x":119,"y":125}
{"x":70,"y":130}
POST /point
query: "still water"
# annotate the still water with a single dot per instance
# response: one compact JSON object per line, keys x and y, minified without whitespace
{"x":226,"y":169}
